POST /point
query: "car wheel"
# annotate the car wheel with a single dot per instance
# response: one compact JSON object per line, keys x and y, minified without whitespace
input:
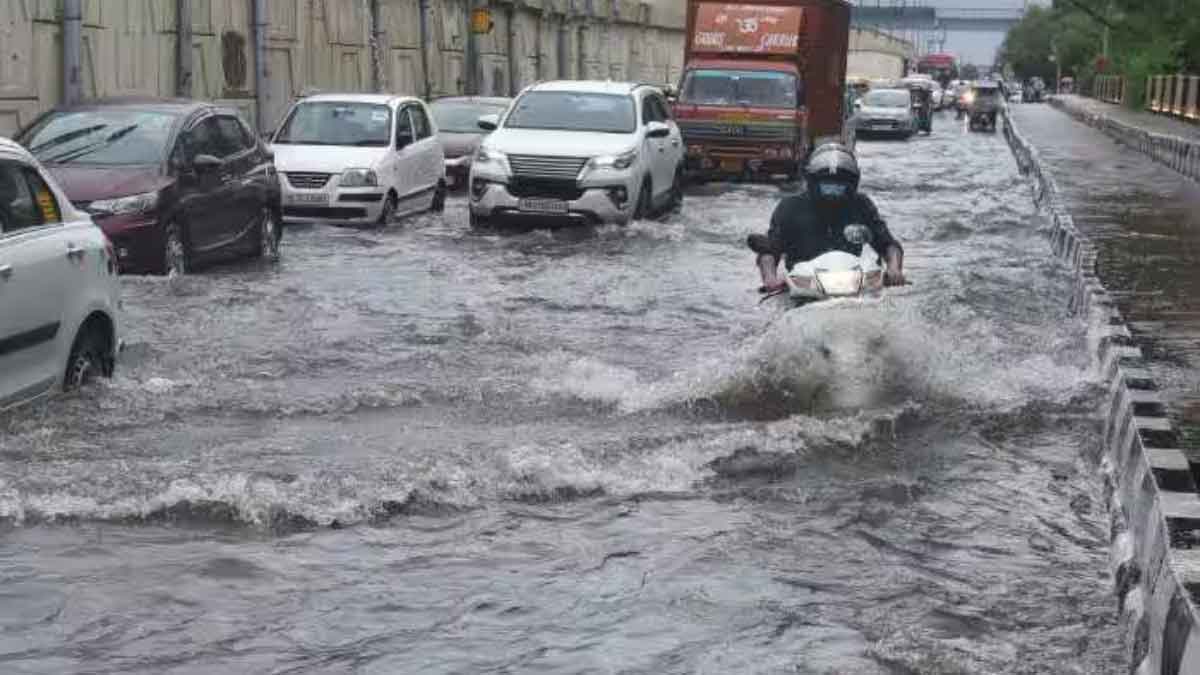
{"x":90,"y":357}
{"x":269,"y":234}
{"x":439,"y":198}
{"x":677,"y":191}
{"x":175,"y":252}
{"x":478,"y":222}
{"x":388,"y":214}
{"x":643,"y":203}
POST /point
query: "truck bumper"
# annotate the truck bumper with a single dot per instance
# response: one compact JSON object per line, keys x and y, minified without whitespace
{"x":704,"y":167}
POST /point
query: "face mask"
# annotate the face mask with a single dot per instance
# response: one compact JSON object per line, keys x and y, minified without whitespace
{"x":832,"y":190}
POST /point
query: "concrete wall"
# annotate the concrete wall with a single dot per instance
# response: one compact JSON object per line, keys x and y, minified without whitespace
{"x":129,"y":48}
{"x":877,"y":55}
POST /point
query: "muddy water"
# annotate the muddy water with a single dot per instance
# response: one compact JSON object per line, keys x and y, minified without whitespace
{"x":430,"y":450}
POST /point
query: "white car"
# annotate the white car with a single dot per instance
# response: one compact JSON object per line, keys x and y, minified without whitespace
{"x":358,"y":159}
{"x":596,"y":152}
{"x":59,"y":295}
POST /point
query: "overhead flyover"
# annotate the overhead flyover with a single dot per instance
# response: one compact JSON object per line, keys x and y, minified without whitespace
{"x":929,"y":18}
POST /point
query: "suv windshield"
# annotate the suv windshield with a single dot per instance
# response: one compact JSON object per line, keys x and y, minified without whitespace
{"x":887,"y":98}
{"x":756,"y":88}
{"x":573,"y":111}
{"x":107,"y":137}
{"x":462,"y":118}
{"x":337,"y":123}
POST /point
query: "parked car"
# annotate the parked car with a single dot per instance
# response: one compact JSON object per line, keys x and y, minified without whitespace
{"x":886,"y":111}
{"x":597,"y":152}
{"x":359,"y":159}
{"x":59,"y":296}
{"x":457,"y":119}
{"x":172,"y":183}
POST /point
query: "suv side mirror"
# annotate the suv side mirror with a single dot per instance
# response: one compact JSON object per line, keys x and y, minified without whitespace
{"x":657,"y":130}
{"x":206,"y":163}
{"x":488,"y":122}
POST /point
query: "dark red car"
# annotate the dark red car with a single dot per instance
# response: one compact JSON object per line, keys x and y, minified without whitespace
{"x":173,"y":183}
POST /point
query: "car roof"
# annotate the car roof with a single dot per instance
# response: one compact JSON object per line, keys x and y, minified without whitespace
{"x":179,"y":106}
{"x":590,"y":86}
{"x":486,"y":100}
{"x":12,"y":148}
{"x":379,"y":99}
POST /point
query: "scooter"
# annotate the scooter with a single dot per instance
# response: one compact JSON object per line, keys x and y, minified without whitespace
{"x":838,"y":274}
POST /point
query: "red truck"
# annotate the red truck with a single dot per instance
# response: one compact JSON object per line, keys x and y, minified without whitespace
{"x":761,"y":83}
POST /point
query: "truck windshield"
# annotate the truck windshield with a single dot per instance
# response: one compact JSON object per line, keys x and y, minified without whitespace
{"x":751,"y":88}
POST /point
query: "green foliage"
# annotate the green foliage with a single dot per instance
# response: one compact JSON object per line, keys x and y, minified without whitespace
{"x":1146,"y":37}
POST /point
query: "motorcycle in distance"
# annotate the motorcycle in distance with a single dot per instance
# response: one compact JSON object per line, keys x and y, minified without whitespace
{"x":921,"y":92}
{"x":837,"y":274}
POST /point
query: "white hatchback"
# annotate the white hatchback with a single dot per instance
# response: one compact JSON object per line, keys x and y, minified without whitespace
{"x":358,"y":159}
{"x":59,"y":294}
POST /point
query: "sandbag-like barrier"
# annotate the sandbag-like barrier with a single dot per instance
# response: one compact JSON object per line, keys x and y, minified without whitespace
{"x":1151,"y":492}
{"x":1179,"y":153}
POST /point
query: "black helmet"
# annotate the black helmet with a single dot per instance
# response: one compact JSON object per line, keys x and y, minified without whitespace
{"x":832,"y":172}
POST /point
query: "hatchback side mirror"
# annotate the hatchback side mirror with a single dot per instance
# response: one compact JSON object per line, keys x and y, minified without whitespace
{"x":657,"y":130}
{"x":206,"y":163}
{"x":489,"y":122}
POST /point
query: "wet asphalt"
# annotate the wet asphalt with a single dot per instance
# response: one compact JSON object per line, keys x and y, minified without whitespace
{"x":426,"y":449}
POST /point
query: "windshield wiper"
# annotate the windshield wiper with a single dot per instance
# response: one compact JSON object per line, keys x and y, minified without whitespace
{"x":67,"y":137}
{"x":89,"y":149}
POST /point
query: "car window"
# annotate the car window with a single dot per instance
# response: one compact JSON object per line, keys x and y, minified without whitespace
{"x":420,"y":121}
{"x":337,"y":123}
{"x":649,"y":112}
{"x":664,"y":109}
{"x":404,"y":128}
{"x":230,"y":138}
{"x":105,"y":136}
{"x":202,"y":138}
{"x":25,"y":199}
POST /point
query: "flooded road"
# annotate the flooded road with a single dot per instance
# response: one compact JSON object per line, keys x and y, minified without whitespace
{"x":430,"y":450}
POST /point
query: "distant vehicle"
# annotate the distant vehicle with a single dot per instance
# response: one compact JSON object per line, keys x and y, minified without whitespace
{"x":1034,"y":91}
{"x":59,"y":295}
{"x":359,"y":159}
{"x":171,"y":182}
{"x":457,"y":119}
{"x":941,"y":67}
{"x":761,"y":83}
{"x":886,"y":111}
{"x":593,"y":152}
{"x":983,"y":106}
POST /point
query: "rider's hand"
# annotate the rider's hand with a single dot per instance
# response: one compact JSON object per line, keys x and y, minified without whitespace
{"x":893,"y":277}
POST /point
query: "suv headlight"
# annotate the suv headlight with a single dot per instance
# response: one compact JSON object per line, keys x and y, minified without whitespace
{"x":619,"y":162}
{"x":121,"y":205}
{"x":359,"y":178}
{"x":489,"y":156}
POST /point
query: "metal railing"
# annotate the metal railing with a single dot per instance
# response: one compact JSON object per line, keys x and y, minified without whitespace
{"x":1109,"y":88}
{"x":1175,"y":95}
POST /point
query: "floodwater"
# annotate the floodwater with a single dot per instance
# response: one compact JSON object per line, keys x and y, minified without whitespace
{"x":591,"y":450}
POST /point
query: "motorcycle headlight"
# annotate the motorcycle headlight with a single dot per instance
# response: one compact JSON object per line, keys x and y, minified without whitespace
{"x":619,"y":162}
{"x":140,"y":203}
{"x":359,"y":178}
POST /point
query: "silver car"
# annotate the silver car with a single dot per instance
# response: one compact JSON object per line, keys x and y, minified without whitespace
{"x":885,"y":111}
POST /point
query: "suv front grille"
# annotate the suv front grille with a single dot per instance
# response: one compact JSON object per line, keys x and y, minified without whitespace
{"x":539,"y":166}
{"x":307,"y":180}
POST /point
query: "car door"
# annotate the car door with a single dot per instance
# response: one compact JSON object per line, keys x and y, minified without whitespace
{"x":405,"y":156}
{"x":240,"y":155}
{"x":35,"y":263}
{"x":432,"y":160}
{"x":673,"y":143}
{"x":656,"y":148}
{"x":204,"y":207}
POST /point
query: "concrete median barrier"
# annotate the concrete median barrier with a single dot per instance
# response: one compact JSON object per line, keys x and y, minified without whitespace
{"x":1179,"y":153}
{"x":1149,"y":484}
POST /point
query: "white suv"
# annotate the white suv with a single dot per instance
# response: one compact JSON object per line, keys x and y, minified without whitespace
{"x":358,"y":159}
{"x":58,"y":286}
{"x":598,"y":152}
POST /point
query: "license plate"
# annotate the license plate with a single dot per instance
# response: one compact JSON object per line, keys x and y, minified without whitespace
{"x":732,"y":165}
{"x":303,"y":198}
{"x":883,"y":125}
{"x":543,"y":205}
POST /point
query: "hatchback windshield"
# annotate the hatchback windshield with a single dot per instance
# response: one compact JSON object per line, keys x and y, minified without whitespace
{"x":757,"y":88}
{"x":104,"y":137}
{"x":337,"y":123}
{"x":573,"y":111}
{"x":887,"y":98}
{"x":462,"y":118}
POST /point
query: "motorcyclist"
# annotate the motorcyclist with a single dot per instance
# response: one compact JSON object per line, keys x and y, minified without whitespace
{"x":807,"y":225}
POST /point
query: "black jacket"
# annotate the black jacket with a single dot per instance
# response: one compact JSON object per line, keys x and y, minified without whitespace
{"x":801,"y":230}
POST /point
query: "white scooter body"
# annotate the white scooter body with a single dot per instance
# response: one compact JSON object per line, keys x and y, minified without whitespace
{"x":836,"y":274}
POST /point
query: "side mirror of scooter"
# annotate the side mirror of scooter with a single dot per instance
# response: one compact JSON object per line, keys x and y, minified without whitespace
{"x":857,"y":234}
